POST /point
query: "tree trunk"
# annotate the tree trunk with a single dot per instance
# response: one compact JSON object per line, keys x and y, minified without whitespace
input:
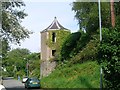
{"x":112,"y":13}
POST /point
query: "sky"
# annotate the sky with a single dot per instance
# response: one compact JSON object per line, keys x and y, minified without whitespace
{"x":40,"y":16}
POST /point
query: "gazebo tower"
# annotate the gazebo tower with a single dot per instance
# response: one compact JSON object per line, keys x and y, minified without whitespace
{"x":51,"y":40}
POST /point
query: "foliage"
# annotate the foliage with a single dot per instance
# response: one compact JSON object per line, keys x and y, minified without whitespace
{"x":11,"y":19}
{"x":33,"y":56}
{"x":117,"y":13}
{"x":20,"y":73}
{"x":109,"y":51}
{"x":34,"y":64}
{"x":61,"y":36}
{"x":77,"y":76}
{"x":89,"y":52}
{"x":81,"y":46}
{"x":4,"y":47}
{"x":69,"y":44}
{"x":87,"y":15}
{"x":12,"y":30}
{"x":81,"y":43}
{"x":14,"y":61}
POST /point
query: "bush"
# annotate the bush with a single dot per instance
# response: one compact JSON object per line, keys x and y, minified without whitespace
{"x":88,"y":52}
{"x":109,"y":51}
{"x":69,"y":45}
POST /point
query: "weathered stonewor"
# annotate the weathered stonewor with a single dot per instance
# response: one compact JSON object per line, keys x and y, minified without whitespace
{"x":51,"y":40}
{"x":47,"y":67}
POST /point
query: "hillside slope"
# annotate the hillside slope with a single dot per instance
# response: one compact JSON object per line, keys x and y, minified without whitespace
{"x":84,"y":75}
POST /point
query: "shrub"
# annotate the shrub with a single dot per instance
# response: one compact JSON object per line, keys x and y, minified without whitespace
{"x":69,"y":45}
{"x":88,"y":52}
{"x":109,"y":51}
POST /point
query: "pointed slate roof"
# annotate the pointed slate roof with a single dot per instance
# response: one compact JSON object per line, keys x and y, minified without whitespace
{"x":55,"y":25}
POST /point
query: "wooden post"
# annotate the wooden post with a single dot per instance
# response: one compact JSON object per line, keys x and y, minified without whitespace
{"x":112,"y":13}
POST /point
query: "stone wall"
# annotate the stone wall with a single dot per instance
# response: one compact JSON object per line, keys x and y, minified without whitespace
{"x":43,"y":46}
{"x":46,"y":68}
{"x":47,"y":45}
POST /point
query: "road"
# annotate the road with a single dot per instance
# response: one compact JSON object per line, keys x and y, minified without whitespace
{"x":12,"y":84}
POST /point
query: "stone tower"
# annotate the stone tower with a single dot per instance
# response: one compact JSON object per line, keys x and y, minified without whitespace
{"x":51,"y":40}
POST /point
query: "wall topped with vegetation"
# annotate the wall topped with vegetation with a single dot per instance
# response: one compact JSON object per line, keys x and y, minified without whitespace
{"x":61,"y":36}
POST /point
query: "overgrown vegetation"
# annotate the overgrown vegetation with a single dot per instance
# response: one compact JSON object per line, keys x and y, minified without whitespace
{"x":69,"y":45}
{"x":76,"y":76}
{"x":110,"y":57}
{"x":81,"y":47}
{"x":109,"y":49}
{"x":61,"y":36}
{"x":78,"y":48}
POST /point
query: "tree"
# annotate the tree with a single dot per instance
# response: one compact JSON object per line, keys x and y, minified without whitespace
{"x":34,"y":64}
{"x":87,"y":15}
{"x":4,"y":47}
{"x":12,"y":30}
{"x":15,"y":60}
{"x":109,"y":49}
{"x":69,"y":44}
{"x":11,"y":22}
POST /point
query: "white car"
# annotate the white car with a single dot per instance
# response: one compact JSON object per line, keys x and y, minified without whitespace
{"x":24,"y":79}
{"x":2,"y":87}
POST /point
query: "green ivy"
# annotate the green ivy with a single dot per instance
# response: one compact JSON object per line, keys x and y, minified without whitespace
{"x":61,"y":36}
{"x":109,"y":51}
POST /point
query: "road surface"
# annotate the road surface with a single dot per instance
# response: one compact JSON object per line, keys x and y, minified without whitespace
{"x":12,"y":84}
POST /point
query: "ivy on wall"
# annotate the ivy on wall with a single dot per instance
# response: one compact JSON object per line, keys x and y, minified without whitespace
{"x":61,"y":36}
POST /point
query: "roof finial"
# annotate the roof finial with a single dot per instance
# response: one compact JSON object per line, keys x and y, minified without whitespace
{"x":55,"y":17}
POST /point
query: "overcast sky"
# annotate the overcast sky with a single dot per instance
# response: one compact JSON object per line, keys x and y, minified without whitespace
{"x":40,"y":16}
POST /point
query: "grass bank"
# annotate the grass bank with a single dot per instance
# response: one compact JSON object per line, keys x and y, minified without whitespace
{"x":86,"y":75}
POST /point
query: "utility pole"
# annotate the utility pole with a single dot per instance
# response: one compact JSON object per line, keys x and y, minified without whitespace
{"x":99,"y":8}
{"x":1,"y":82}
{"x":112,"y":13}
{"x":27,"y":68}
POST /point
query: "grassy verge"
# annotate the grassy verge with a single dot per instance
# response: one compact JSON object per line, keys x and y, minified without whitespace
{"x":84,"y":75}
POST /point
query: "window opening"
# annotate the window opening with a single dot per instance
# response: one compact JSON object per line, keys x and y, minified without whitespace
{"x":53,"y":52}
{"x":53,"y":37}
